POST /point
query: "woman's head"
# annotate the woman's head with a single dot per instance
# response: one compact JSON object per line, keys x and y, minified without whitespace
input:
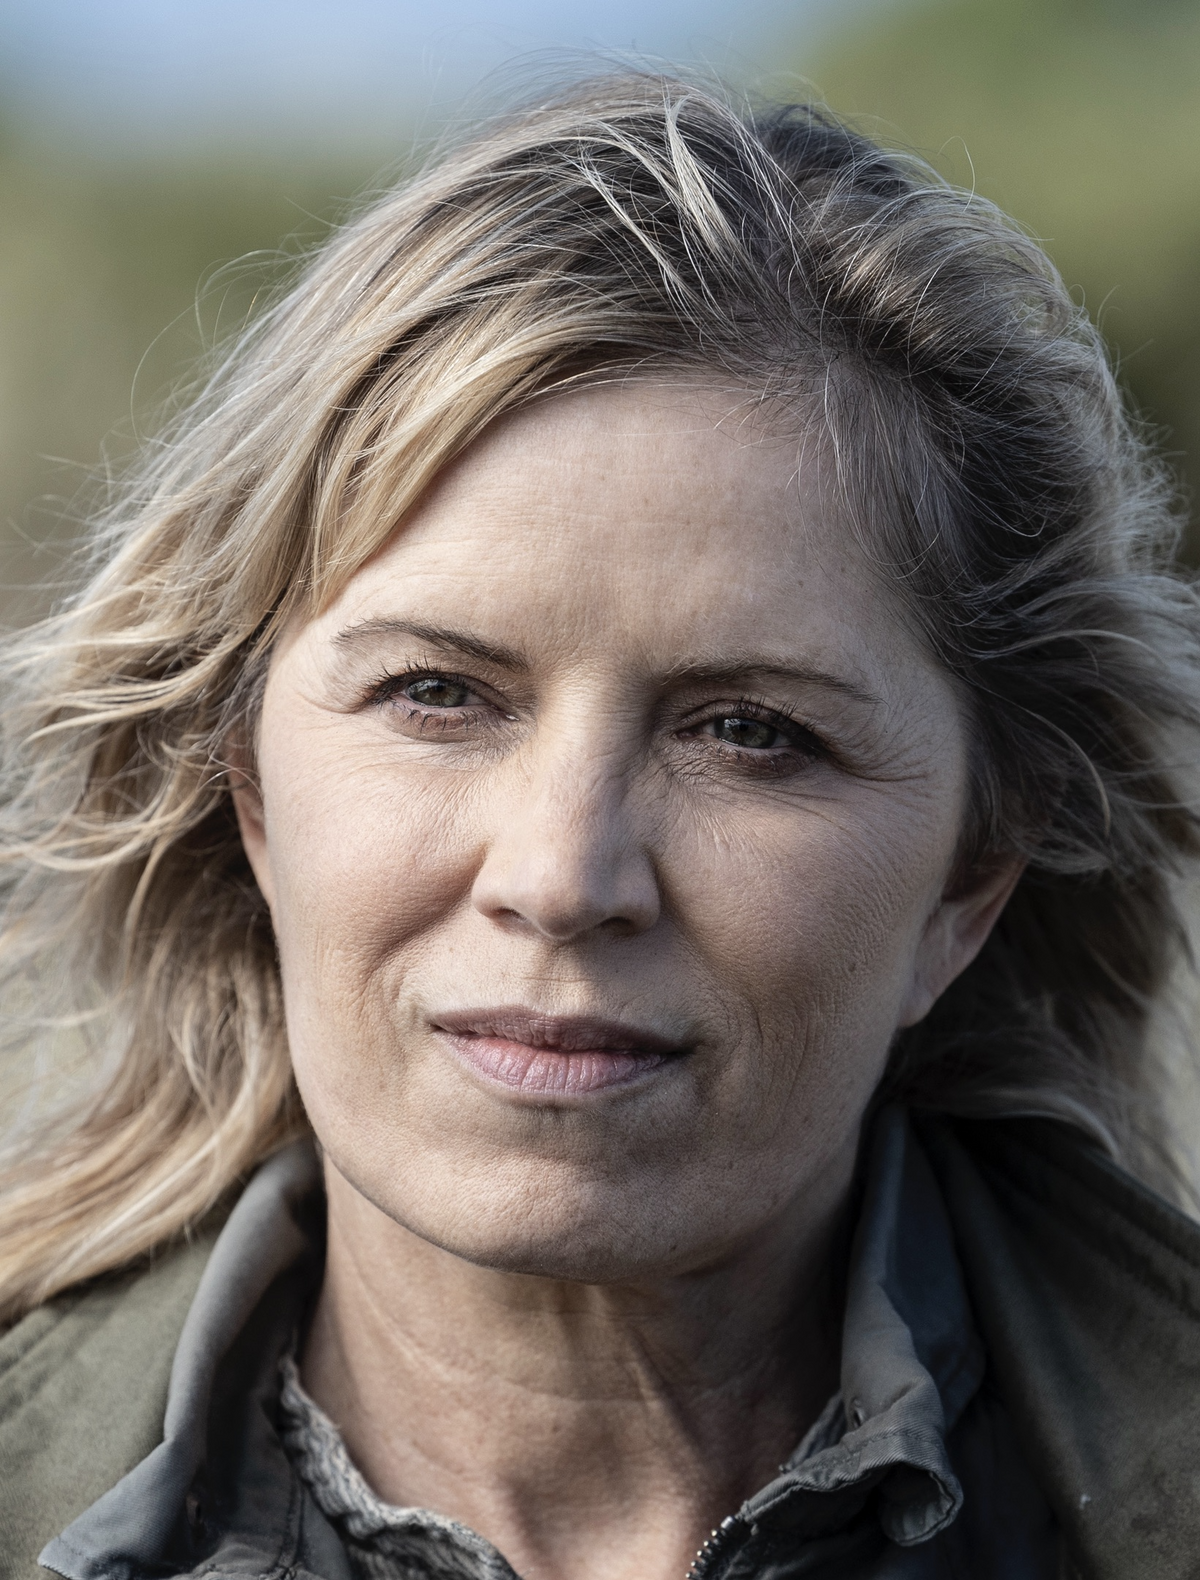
{"x":630,"y":260}
{"x":617,"y":747}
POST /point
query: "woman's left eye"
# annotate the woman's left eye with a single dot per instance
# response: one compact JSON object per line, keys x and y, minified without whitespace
{"x":748,"y":733}
{"x":760,"y":737}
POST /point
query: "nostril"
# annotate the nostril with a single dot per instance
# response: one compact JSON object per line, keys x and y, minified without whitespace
{"x":561,"y":921}
{"x":577,"y":871}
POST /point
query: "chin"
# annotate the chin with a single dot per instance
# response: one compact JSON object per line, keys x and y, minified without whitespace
{"x":551,"y":1226}
{"x":558,"y":1259}
{"x":590,"y":1254}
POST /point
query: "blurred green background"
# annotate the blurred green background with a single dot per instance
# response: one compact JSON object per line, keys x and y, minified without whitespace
{"x":1081,"y":117}
{"x":117,"y":271}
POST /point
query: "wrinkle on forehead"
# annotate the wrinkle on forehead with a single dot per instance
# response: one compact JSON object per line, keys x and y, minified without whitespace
{"x":547,"y":472}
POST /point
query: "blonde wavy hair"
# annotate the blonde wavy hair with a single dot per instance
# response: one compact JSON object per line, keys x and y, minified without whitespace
{"x":633,"y":222}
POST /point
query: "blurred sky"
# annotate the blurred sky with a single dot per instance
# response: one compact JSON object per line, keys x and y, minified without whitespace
{"x":162,"y":71}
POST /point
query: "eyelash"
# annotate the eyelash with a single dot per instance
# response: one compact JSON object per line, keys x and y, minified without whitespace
{"x":389,"y":688}
{"x":801,"y":740}
{"x":800,"y":737}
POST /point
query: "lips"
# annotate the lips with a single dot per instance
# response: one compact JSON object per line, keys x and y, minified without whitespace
{"x":553,"y":1055}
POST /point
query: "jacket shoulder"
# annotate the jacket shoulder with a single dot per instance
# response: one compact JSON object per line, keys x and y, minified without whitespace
{"x":1086,"y":1287}
{"x":83,"y":1389}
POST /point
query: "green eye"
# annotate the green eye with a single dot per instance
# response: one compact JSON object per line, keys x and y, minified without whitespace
{"x":753,"y":734}
{"x":435,"y":691}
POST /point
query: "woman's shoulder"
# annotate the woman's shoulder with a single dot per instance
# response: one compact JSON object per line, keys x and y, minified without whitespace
{"x":83,"y":1387}
{"x":1086,"y":1287}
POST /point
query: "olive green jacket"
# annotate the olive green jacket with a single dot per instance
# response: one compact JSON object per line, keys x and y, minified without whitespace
{"x":1084,"y":1286}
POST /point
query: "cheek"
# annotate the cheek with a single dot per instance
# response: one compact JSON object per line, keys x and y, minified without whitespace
{"x":363,"y":862}
{"x":810,"y":919}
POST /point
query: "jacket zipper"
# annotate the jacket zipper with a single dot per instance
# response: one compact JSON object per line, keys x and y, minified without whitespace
{"x":703,"y":1561}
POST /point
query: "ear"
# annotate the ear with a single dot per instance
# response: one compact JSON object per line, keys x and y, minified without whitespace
{"x":251,"y":814}
{"x":954,"y":934}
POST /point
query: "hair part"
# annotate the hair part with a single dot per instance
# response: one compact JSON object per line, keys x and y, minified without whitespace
{"x":636,"y":225}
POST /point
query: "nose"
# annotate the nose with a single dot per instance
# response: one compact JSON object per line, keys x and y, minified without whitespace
{"x":566,"y":856}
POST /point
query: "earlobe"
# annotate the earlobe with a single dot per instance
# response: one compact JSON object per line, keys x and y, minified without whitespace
{"x":954,"y":935}
{"x":251,"y":816}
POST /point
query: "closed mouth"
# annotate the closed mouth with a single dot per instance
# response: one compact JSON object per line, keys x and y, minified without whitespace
{"x":553,"y":1055}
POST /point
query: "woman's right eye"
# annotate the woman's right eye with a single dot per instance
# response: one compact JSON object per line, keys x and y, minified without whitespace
{"x":439,"y":691}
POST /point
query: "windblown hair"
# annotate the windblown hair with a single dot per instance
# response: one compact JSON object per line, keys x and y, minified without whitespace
{"x":633,"y":225}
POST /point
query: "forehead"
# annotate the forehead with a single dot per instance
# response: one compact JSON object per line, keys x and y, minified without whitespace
{"x":665,"y":517}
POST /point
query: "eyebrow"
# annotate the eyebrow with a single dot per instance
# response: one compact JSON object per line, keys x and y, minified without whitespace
{"x":748,"y":670}
{"x":742,"y":672}
{"x":367,"y":631}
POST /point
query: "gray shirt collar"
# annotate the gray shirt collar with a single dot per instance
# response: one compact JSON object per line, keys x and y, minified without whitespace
{"x":911,"y":1361}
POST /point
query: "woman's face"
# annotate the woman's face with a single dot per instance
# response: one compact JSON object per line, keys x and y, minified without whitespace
{"x":606,"y":821}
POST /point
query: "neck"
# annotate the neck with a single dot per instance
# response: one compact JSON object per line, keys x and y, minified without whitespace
{"x":592,"y":1431}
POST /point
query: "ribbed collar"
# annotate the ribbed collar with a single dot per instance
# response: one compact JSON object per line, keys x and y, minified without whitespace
{"x":911,"y":1361}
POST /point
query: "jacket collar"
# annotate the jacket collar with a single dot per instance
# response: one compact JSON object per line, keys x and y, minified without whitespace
{"x":911,"y":1361}
{"x":150,"y":1519}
